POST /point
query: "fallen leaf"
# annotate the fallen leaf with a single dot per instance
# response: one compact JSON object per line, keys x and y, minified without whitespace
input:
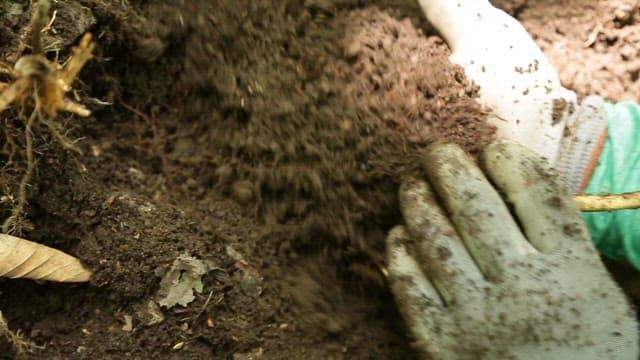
{"x":20,"y":258}
{"x":179,"y":283}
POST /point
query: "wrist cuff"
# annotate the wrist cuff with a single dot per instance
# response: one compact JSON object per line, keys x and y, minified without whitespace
{"x":582,"y":142}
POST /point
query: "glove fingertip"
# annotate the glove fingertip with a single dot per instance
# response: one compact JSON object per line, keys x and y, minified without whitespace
{"x":539,"y":198}
{"x":408,"y":283}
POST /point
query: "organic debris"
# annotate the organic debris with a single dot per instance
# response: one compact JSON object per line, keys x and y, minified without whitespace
{"x":185,"y":276}
{"x":42,"y":85}
{"x":20,"y":258}
{"x":251,"y":280}
{"x":150,"y":313}
{"x":609,"y":202}
{"x":19,"y":343}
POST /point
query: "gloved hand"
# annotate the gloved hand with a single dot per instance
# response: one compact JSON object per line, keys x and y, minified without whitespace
{"x":518,"y":85}
{"x":474,"y":280}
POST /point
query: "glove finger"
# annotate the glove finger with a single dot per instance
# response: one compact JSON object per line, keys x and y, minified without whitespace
{"x":476,"y":210}
{"x":541,"y":201}
{"x":437,"y":248}
{"x":419,"y":303}
{"x":406,"y":278}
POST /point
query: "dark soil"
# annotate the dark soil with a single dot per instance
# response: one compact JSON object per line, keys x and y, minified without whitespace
{"x":268,"y":137}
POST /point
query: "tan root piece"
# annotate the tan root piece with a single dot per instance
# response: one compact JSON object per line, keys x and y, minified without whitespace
{"x":20,"y":258}
{"x":609,"y":202}
{"x":48,"y":81}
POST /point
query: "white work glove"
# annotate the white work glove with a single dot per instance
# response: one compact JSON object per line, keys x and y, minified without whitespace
{"x":475,"y":281}
{"x":518,"y":85}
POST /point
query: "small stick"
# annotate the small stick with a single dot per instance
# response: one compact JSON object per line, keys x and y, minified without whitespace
{"x":50,"y":24}
{"x":608,"y":202}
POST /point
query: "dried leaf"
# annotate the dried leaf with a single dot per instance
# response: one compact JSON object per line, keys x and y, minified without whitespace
{"x":20,"y":258}
{"x":185,"y":276}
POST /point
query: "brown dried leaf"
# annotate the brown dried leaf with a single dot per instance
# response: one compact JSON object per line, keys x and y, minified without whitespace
{"x":20,"y":258}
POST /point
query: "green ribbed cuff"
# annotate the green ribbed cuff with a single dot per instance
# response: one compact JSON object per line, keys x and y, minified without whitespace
{"x":617,"y":233}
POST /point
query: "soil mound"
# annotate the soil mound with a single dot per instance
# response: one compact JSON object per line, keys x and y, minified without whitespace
{"x":316,"y":129}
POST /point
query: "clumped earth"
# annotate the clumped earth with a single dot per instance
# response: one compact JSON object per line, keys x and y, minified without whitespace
{"x":265,"y":137}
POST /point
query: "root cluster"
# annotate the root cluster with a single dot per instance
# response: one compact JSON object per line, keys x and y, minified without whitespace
{"x":38,"y":87}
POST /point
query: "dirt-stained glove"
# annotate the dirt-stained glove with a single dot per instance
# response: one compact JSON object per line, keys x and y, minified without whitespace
{"x":475,"y":280}
{"x":518,"y":85}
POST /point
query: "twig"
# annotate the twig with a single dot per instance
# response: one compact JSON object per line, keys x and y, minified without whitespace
{"x":204,"y":307}
{"x":609,"y":202}
{"x":50,"y":24}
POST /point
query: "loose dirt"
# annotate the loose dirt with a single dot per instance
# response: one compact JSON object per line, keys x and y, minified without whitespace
{"x":267,"y":137}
